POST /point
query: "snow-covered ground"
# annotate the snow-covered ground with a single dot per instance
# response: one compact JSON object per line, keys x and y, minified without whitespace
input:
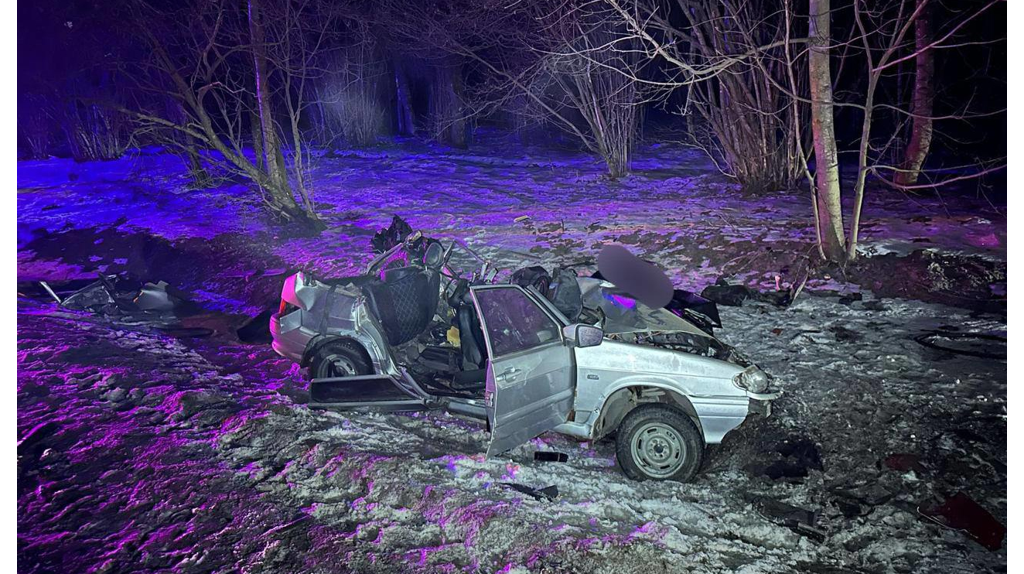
{"x":151,"y":452}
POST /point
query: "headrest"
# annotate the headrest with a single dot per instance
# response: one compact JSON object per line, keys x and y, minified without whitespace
{"x":433,"y":256}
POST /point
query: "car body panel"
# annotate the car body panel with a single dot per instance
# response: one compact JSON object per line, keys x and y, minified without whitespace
{"x":706,"y":383}
{"x":382,"y":392}
{"x":529,"y":392}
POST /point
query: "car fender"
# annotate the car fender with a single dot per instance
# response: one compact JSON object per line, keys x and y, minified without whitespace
{"x":317,"y":342}
{"x":610,"y":399}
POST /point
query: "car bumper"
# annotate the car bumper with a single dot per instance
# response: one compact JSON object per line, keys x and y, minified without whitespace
{"x":290,"y":338}
{"x":761,"y":403}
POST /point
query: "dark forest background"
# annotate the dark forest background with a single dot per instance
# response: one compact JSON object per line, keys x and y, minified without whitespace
{"x":835,"y":96}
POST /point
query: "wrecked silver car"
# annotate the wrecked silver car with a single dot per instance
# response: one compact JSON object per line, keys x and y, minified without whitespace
{"x":573,"y":355}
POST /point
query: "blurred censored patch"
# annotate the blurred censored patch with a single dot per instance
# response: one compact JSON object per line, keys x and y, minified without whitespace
{"x":641,"y":280}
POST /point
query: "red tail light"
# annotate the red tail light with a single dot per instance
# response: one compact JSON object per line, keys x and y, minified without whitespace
{"x":285,"y":308}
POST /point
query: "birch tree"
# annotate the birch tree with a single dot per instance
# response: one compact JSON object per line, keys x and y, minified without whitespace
{"x":826,"y":156}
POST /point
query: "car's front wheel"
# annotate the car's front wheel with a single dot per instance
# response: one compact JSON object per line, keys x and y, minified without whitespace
{"x":658,"y":442}
{"x":339,"y":359}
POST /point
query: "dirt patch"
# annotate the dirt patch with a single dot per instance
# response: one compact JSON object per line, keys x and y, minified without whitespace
{"x":950,"y":279}
{"x":958,"y":280}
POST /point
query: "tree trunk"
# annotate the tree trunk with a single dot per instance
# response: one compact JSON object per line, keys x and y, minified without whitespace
{"x":200,"y":178}
{"x":257,"y":139}
{"x":406,"y":126}
{"x":826,"y":158}
{"x":460,"y":128}
{"x":278,"y":175}
{"x":924,"y":96}
{"x":446,"y":106}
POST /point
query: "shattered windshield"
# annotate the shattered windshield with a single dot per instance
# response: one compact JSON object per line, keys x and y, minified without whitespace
{"x":623,"y":314}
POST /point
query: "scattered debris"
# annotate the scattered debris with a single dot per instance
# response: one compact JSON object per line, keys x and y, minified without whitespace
{"x":180,"y":332}
{"x":982,"y":345}
{"x":50,"y":291}
{"x":963,"y":513}
{"x":546,"y":493}
{"x":391,"y":236}
{"x":860,"y":500}
{"x":154,"y":297}
{"x":550,"y":456}
{"x":851,"y":298}
{"x":96,"y":297}
{"x":113,"y":295}
{"x":725,"y":294}
{"x":797,"y":519}
{"x":734,"y":295}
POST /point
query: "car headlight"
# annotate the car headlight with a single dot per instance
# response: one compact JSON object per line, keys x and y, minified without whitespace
{"x":752,"y":379}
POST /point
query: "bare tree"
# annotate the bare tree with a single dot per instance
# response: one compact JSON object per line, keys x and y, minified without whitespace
{"x":722,"y":61}
{"x":923,"y":99}
{"x":831,"y":235}
{"x":231,"y":68}
{"x":550,"y":60}
{"x":726,"y":56}
{"x":883,"y":32}
{"x":348,"y":101}
{"x":591,"y":80}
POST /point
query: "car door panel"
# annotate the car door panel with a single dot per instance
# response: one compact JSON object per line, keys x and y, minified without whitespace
{"x":531,"y":389}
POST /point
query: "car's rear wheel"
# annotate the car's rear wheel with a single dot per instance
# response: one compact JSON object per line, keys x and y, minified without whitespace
{"x":658,"y":442}
{"x":340,"y":359}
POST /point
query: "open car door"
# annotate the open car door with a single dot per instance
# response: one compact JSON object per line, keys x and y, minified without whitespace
{"x":530,"y":374}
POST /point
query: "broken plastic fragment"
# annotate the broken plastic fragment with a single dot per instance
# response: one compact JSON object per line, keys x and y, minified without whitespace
{"x":963,"y":513}
{"x":546,"y":493}
{"x":550,"y":456}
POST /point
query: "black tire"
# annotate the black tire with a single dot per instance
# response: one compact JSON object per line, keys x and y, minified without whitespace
{"x":340,"y":358}
{"x":658,"y":431}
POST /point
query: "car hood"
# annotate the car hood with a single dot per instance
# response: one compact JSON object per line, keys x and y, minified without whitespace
{"x":623,"y":314}
{"x":627,"y":320}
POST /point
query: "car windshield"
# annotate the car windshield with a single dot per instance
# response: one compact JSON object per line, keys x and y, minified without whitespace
{"x":623,"y":314}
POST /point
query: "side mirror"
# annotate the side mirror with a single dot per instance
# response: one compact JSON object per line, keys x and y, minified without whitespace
{"x":581,"y":335}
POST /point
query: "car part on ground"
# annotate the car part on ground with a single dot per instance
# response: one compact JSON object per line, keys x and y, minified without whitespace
{"x":963,"y":513}
{"x":114,"y":295}
{"x":734,"y":295}
{"x":550,"y":456}
{"x":984,"y":345}
{"x":797,"y":519}
{"x":548,"y":493}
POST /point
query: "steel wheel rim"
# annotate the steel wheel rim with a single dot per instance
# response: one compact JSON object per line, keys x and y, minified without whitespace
{"x":335,"y":365}
{"x":658,"y":450}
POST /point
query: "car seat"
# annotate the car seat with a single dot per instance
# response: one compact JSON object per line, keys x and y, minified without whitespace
{"x":474,"y":348}
{"x":404,"y":302}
